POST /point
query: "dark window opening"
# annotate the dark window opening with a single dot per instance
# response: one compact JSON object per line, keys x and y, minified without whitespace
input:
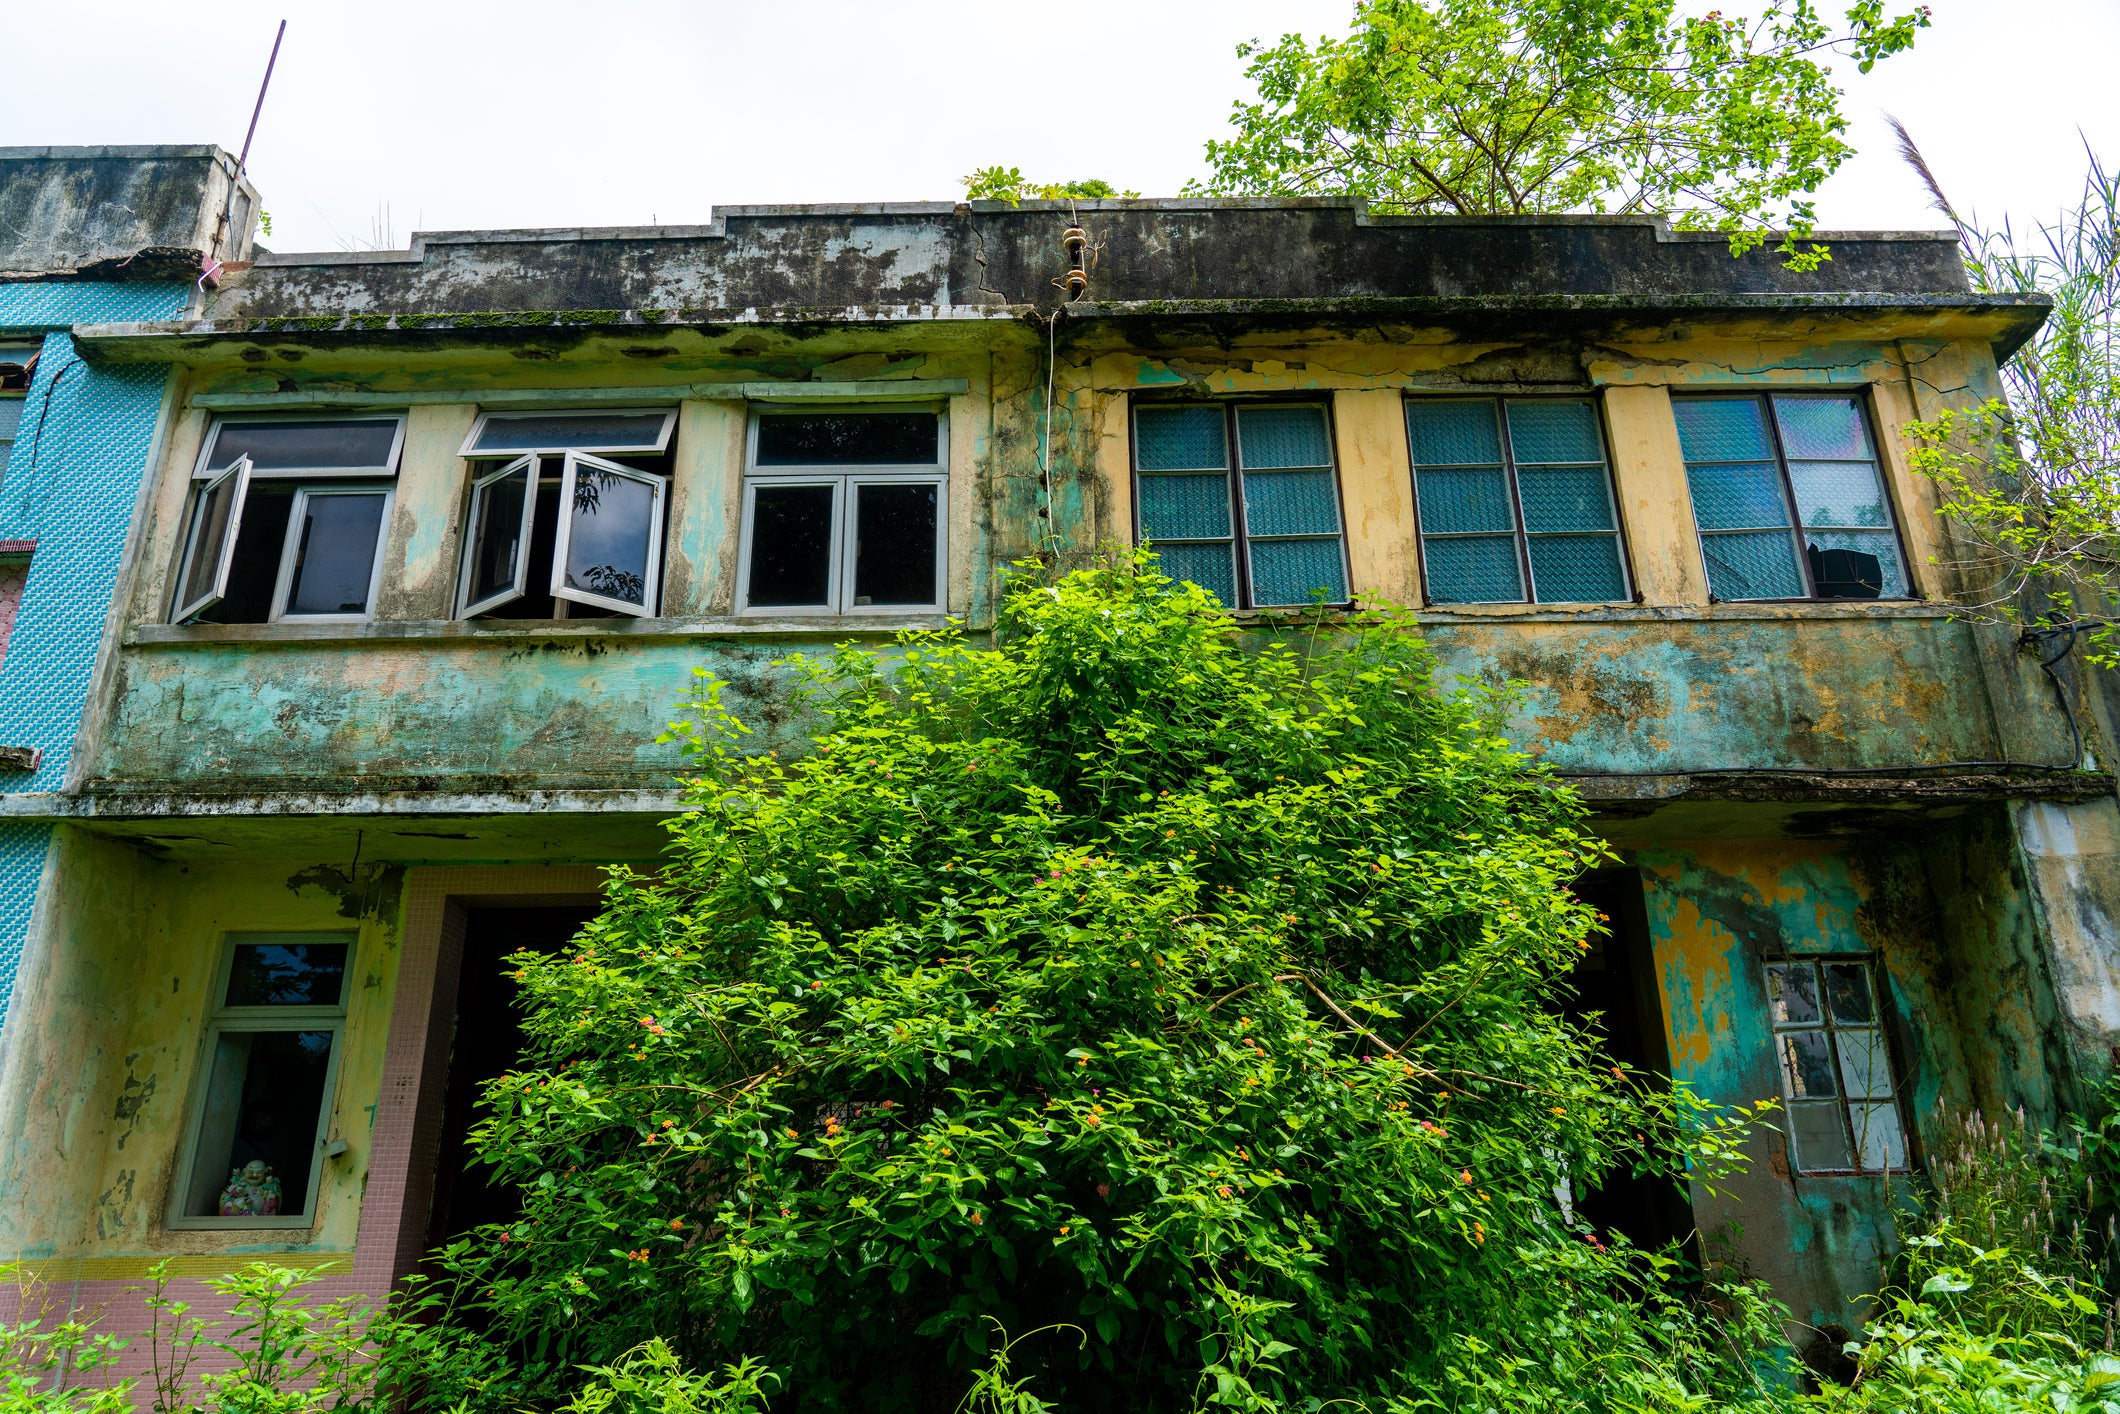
{"x":254,"y":569}
{"x":849,"y":439}
{"x":791,"y":546}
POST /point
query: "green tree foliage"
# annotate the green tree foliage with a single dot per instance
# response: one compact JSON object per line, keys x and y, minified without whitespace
{"x":1485,"y":107}
{"x":1182,"y":1005}
{"x":1009,"y":184}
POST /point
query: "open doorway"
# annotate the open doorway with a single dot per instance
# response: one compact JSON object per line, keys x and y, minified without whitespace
{"x":488,"y":1042}
{"x":1616,"y":981}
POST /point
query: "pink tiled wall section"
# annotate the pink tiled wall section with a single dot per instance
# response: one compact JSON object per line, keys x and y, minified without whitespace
{"x":12,"y":577}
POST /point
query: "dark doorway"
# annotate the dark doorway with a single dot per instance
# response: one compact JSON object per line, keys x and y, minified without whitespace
{"x":1616,"y":980}
{"x":488,"y":1041}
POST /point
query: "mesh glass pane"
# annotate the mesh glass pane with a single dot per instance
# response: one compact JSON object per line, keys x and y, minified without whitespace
{"x":1283,"y":436}
{"x":1293,"y":571}
{"x":1721,"y":430}
{"x":1212,"y":567}
{"x":1180,"y":439}
{"x":1838,"y":493}
{"x":1290,"y":503}
{"x":1473,"y":570}
{"x":1752,"y":565}
{"x":1564,"y":498}
{"x":1736,"y":497}
{"x":1453,"y":433}
{"x":1554,"y":432}
{"x":1891,"y":570}
{"x":1185,"y":507}
{"x":1576,"y":569}
{"x":1458,"y":502}
{"x":1829,"y":429}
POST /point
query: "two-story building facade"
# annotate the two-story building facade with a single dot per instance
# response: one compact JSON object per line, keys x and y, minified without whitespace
{"x":437,"y":536}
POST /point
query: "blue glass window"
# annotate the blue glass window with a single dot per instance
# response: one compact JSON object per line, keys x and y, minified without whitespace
{"x":1242,"y":499}
{"x":1515,"y":501}
{"x":1788,"y":497}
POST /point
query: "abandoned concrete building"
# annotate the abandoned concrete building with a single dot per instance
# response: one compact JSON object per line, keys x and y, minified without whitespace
{"x":435,"y":537}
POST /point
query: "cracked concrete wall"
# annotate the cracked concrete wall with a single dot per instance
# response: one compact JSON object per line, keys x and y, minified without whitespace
{"x":65,"y":208}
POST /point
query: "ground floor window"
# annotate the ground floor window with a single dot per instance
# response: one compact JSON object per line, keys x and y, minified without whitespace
{"x":1836,"y":1073}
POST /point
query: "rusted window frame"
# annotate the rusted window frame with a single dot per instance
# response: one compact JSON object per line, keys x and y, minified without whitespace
{"x":1872,"y":965}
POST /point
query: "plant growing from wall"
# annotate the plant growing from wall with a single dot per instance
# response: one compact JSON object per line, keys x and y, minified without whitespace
{"x":1515,"y":107}
{"x":1180,"y":1004}
{"x":1010,"y":185}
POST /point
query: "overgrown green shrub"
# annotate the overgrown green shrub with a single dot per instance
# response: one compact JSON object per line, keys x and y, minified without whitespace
{"x":1193,"y":993}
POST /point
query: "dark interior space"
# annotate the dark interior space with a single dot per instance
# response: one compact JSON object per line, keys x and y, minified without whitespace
{"x":1616,"y":981}
{"x":488,"y":1040}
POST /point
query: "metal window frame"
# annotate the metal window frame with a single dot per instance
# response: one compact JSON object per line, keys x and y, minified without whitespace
{"x":845,"y":479}
{"x":179,"y":609}
{"x":221,"y":1018}
{"x":520,"y":584}
{"x":1865,"y":409}
{"x":1518,"y":531}
{"x":1239,"y":539}
{"x":470,"y":451}
{"x":290,"y":549}
{"x":202,"y":467}
{"x":563,"y":535}
{"x":1869,"y":963}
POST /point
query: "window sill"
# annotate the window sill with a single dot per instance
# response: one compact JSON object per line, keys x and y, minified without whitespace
{"x":516,"y":631}
{"x":1840,"y":610}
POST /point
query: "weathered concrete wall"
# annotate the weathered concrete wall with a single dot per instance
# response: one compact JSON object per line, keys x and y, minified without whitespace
{"x":87,"y":210}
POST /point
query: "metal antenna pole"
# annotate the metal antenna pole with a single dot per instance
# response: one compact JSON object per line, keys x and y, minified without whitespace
{"x":243,"y":160}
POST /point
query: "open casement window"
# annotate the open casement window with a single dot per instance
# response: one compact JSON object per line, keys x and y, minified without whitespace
{"x":608,"y":551}
{"x":210,"y":541}
{"x":1789,"y":497}
{"x":844,"y":513}
{"x":1836,"y":1071}
{"x":497,"y":555}
{"x":1261,"y":528}
{"x":1515,"y":501}
{"x":255,"y":1144}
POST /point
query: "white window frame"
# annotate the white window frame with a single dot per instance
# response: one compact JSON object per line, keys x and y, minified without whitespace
{"x":470,"y":450}
{"x":651,"y":592}
{"x":202,"y":469}
{"x":480,"y":482}
{"x":845,"y":480}
{"x":290,"y":546}
{"x":222,"y":1017}
{"x":180,"y":611}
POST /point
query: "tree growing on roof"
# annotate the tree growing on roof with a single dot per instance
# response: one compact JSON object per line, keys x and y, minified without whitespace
{"x":1519,"y":107}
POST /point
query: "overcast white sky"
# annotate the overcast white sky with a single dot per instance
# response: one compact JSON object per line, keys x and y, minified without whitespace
{"x":386,"y":117}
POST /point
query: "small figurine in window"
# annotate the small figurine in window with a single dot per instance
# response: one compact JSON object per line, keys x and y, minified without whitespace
{"x":253,"y":1191}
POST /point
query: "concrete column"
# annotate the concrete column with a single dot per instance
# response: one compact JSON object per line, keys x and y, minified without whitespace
{"x":1376,"y":489}
{"x":1649,"y":475}
{"x":2070,"y":854}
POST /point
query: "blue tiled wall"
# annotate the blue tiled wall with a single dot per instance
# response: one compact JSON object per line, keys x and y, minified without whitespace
{"x":71,"y":484}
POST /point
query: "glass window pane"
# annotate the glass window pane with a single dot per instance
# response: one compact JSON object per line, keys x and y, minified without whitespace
{"x":1542,"y":431}
{"x":1820,"y":1132}
{"x":894,"y":544}
{"x":1453,"y":433}
{"x":1848,"y":992}
{"x":1828,"y":428}
{"x":1270,"y":437}
{"x":1181,"y":438}
{"x":305,"y":446}
{"x":610,"y":535}
{"x":1865,"y":1070}
{"x":849,"y":439}
{"x":1855,"y":564}
{"x":1467,"y":500}
{"x":1290,"y":503}
{"x":1878,"y":1136}
{"x":1807,"y":1065}
{"x":1294,"y":571}
{"x":1185,"y":507}
{"x":1473,"y":570}
{"x":335,"y":558}
{"x":497,"y":533}
{"x":258,"y":1130}
{"x":1564,"y":498}
{"x":1722,"y":430}
{"x":1576,"y":569}
{"x":1736,"y":497}
{"x":1212,"y":567}
{"x":283,"y":973}
{"x":1838,"y":493}
{"x":1758,"y":564}
{"x":791,"y":545}
{"x":207,"y":537}
{"x":1792,"y":993}
{"x":575,"y":431}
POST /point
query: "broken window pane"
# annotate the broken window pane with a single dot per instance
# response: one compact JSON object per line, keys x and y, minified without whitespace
{"x":496,"y":562}
{"x":1792,"y":992}
{"x":894,"y":544}
{"x":259,"y":1122}
{"x":334,"y":564}
{"x":611,"y":527}
{"x":286,"y":974}
{"x":629,"y":431}
{"x":791,"y":546}
{"x":849,"y":439}
{"x":1879,"y":1140}
{"x":1848,"y":989}
{"x":352,"y":444}
{"x":1865,"y":1071}
{"x":1807,"y":1064}
{"x":1820,"y":1133}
